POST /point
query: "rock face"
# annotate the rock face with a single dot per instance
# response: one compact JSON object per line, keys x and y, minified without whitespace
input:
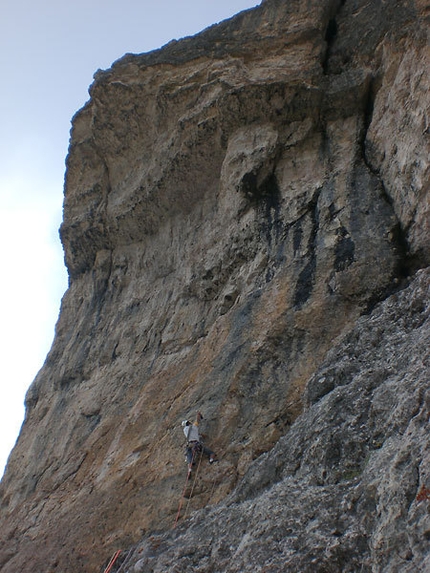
{"x":237,"y":205}
{"x":346,"y":489}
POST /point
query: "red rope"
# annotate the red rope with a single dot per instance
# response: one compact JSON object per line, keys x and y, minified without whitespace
{"x":194,"y":483}
{"x":181,"y":501}
{"x":112,"y":561}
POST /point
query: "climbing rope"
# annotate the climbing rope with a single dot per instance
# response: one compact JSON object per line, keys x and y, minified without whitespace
{"x":127,"y":560}
{"x":181,"y":501}
{"x":194,"y":483}
{"x":112,"y":561}
{"x":187,"y":479}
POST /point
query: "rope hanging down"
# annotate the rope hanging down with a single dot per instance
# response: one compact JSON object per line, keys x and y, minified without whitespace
{"x":112,"y":561}
{"x":181,"y":501}
{"x":194,"y":483}
{"x":127,"y":560}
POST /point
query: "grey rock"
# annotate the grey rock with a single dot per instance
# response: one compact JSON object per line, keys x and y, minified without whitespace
{"x":340,"y":492}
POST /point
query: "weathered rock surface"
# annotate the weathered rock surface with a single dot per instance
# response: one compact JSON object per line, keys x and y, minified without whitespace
{"x":235,"y":202}
{"x":346,"y":489}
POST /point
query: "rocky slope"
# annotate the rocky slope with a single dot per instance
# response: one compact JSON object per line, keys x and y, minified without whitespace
{"x":346,"y":489}
{"x":234,"y":203}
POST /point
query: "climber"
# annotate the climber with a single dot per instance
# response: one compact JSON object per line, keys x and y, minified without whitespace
{"x":194,"y":443}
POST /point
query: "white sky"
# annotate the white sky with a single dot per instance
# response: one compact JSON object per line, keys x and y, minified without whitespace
{"x":49,"y":51}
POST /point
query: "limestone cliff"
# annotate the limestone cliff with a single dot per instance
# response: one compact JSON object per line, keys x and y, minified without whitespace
{"x":346,"y":489}
{"x":237,"y":205}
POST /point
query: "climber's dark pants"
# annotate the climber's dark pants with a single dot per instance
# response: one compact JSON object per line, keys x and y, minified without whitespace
{"x":195,"y":449}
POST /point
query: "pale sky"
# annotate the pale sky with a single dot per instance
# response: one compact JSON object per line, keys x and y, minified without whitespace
{"x":49,"y":51}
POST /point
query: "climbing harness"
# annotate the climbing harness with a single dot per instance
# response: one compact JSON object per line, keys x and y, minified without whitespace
{"x":112,"y":561}
{"x":196,"y":448}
